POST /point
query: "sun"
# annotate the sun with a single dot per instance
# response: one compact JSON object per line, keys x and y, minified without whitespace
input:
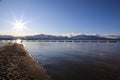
{"x":19,"y":25}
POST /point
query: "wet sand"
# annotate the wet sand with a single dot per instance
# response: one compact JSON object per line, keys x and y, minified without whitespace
{"x":17,"y":64}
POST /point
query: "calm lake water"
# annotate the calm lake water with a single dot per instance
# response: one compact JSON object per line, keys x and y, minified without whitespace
{"x":77,"y":60}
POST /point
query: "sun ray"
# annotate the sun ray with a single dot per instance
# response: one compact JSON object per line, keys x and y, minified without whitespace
{"x":19,"y":27}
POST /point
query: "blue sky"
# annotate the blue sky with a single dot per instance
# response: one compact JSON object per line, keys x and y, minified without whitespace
{"x":61,"y":16}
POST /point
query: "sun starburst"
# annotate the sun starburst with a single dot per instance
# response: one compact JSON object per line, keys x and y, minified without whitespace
{"x":19,"y":25}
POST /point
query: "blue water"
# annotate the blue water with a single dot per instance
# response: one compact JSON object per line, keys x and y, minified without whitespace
{"x":77,"y":60}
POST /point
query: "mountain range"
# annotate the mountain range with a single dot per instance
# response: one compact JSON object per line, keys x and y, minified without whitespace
{"x":52,"y":37}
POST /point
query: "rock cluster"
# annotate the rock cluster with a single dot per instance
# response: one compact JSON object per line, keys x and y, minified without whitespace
{"x":16,"y":64}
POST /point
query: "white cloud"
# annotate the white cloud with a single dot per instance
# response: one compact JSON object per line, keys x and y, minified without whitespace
{"x":72,"y":34}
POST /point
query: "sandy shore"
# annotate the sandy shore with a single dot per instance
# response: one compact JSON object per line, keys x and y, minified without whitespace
{"x":16,"y":64}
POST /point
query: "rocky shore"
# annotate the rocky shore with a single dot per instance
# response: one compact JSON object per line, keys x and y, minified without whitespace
{"x":17,"y":64}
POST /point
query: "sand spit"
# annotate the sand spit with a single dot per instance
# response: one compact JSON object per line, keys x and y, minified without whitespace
{"x":16,"y":64}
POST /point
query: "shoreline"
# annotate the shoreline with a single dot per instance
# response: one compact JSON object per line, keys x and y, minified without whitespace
{"x":17,"y":64}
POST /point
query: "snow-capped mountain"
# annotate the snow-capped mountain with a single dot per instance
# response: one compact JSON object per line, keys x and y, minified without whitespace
{"x":72,"y":37}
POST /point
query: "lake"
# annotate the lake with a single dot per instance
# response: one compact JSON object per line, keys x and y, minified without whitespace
{"x":77,"y":60}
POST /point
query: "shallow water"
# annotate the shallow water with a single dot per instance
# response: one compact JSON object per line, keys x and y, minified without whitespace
{"x":77,"y":60}
{"x":3,"y":43}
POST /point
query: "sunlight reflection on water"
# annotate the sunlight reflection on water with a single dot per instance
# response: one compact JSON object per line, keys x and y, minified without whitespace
{"x":19,"y":41}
